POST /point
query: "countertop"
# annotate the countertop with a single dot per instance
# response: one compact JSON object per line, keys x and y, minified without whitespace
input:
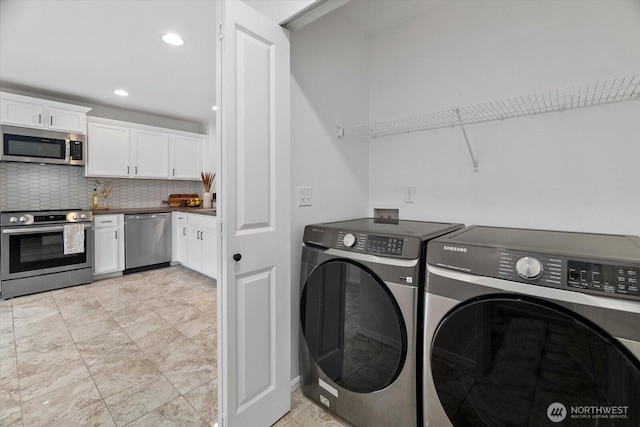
{"x":159,"y":209}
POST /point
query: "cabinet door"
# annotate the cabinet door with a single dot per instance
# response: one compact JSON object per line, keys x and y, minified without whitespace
{"x":106,"y":254}
{"x":194,"y":249}
{"x":107,"y":150}
{"x":22,"y":113}
{"x":150,"y":154}
{"x":187,"y":158}
{"x":209,"y":237}
{"x":66,"y":120}
{"x":180,"y":240}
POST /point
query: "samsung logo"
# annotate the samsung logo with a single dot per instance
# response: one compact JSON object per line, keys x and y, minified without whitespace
{"x":455,"y":249}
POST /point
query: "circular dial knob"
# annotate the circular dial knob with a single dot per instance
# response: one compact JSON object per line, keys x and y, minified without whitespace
{"x":13,"y":219}
{"x":83,"y":216}
{"x":23,"y":219}
{"x":529,"y":268}
{"x":75,"y":217}
{"x":349,"y":240}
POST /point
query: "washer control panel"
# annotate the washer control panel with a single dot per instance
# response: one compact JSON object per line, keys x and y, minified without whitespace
{"x":612,"y":279}
{"x":560,"y":272}
{"x":527,"y":268}
{"x":370,"y":243}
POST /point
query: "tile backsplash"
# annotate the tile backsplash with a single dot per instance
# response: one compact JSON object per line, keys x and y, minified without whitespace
{"x":31,"y":186}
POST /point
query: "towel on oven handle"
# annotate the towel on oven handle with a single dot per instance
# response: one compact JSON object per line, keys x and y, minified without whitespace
{"x":73,"y":239}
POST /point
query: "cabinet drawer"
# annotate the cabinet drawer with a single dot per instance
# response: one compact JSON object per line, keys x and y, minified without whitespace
{"x":101,"y":221}
{"x":206,"y":221}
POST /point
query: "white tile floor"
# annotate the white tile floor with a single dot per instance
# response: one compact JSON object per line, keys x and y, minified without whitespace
{"x":136,"y":350}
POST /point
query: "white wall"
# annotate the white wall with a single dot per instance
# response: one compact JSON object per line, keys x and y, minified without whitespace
{"x":329,"y":85}
{"x":576,"y":170}
{"x":279,"y":10}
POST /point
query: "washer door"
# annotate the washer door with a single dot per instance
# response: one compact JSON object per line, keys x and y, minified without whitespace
{"x":353,"y":326}
{"x":517,"y":361}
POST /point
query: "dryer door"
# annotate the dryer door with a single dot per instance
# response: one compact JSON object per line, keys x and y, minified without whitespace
{"x":513,"y":360}
{"x":352,"y":326}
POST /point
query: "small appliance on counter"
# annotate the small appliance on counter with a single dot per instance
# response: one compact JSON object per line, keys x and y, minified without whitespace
{"x":45,"y":250}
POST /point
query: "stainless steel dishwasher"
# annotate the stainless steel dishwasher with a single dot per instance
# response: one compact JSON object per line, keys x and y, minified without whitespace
{"x":147,"y":241}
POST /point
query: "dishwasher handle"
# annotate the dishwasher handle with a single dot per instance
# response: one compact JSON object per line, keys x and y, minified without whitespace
{"x":146,"y":216}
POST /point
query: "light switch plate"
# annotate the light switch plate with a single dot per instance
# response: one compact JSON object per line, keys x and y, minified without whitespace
{"x":410,"y":194}
{"x":304,"y":196}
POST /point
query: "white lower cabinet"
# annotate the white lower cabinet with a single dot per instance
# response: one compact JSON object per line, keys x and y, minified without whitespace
{"x":179,"y":239}
{"x":195,"y":242}
{"x":108,"y":238}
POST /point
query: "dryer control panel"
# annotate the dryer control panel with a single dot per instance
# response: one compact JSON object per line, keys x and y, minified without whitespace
{"x":369,"y":243}
{"x":405,"y":247}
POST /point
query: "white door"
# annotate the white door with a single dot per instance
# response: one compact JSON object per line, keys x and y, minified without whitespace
{"x":254,"y":207}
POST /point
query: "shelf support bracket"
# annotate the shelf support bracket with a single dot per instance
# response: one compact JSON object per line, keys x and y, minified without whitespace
{"x":466,"y":139}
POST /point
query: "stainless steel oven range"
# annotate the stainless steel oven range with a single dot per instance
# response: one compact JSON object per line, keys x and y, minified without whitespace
{"x":34,"y":257}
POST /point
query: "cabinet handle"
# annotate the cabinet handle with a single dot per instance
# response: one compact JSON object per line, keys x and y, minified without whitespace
{"x":202,"y":235}
{"x":184,"y":231}
{"x":39,"y":119}
{"x":174,"y":172}
{"x":136,"y":170}
{"x":237,"y":257}
{"x":197,"y":235}
{"x":116,"y":234}
{"x":51,"y":120}
{"x":127,"y":170}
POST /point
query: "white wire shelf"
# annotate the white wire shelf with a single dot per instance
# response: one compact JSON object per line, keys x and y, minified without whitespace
{"x":571,"y":97}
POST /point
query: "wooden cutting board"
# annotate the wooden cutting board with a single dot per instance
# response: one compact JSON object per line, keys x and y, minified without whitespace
{"x":176,"y":200}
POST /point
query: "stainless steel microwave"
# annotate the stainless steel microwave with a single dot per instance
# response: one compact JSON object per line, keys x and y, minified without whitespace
{"x":42,"y":146}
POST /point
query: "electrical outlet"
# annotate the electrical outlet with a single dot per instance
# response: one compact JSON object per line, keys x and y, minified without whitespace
{"x":304,"y":196}
{"x":410,"y":194}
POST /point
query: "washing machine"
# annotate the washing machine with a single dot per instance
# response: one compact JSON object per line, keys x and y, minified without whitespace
{"x":362,"y":286}
{"x":532,"y":328}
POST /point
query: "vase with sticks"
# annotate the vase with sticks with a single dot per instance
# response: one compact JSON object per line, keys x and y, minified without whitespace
{"x":207,"y":182}
{"x":106,"y":189}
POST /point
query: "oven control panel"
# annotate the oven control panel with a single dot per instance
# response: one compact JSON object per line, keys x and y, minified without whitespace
{"x":612,"y":279}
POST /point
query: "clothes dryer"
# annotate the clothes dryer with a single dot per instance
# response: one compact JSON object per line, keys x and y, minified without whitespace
{"x":532,"y":328}
{"x":360,"y":313}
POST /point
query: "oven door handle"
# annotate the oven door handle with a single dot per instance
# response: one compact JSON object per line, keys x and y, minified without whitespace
{"x":31,"y":230}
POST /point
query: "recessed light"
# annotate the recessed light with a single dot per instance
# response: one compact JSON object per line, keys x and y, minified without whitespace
{"x":121,"y":92}
{"x":214,"y":108}
{"x":173,"y":39}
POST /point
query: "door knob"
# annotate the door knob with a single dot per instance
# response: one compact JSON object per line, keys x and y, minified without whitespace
{"x":237,"y":257}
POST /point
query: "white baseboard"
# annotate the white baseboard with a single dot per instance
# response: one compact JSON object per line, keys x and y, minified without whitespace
{"x":295,"y":384}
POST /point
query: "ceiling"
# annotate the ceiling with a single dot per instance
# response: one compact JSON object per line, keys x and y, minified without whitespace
{"x":83,"y":50}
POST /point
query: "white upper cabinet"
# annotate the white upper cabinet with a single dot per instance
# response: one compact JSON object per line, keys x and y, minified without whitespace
{"x":107,"y":150}
{"x":25,"y":111}
{"x":128,"y":150}
{"x":187,"y":157}
{"x":149,"y":154}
